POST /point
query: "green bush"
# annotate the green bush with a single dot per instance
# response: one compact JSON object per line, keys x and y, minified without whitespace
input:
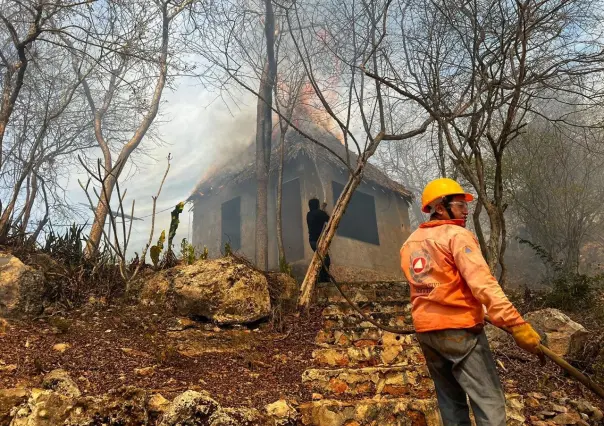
{"x":570,"y":290}
{"x":187,"y":252}
{"x":228,"y":251}
{"x":285,"y":267}
{"x":573,"y":291}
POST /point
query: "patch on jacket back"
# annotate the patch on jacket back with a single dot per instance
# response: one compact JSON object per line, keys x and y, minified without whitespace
{"x":420,"y":265}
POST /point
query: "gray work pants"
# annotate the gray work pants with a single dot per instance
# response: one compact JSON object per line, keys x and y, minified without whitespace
{"x":461,"y":363}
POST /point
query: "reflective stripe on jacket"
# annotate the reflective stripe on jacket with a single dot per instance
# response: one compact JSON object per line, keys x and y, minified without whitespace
{"x":450,"y":280}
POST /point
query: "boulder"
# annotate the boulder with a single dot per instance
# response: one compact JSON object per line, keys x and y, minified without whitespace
{"x":21,"y":287}
{"x":282,"y":413}
{"x":59,"y":381}
{"x":246,"y":416}
{"x":48,"y":408}
{"x":190,"y":408}
{"x":157,"y":404}
{"x":44,"y":407}
{"x":561,"y":334}
{"x":123,"y":406}
{"x":223,"y":290}
{"x":10,"y":398}
{"x":564,"y":336}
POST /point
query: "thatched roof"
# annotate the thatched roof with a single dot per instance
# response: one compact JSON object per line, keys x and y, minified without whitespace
{"x":242,"y":166}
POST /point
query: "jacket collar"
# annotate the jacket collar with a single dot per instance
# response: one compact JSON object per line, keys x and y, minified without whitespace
{"x":434,"y":223}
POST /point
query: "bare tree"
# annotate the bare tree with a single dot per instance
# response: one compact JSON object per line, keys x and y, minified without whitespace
{"x":130,"y":47}
{"x":477,"y":68}
{"x":556,"y":184}
{"x":347,"y":39}
{"x":264,"y":132}
{"x":329,"y":40}
{"x":239,"y":39}
{"x":49,"y":126}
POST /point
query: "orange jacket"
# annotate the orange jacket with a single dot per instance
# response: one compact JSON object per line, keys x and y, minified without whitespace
{"x":450,"y":280}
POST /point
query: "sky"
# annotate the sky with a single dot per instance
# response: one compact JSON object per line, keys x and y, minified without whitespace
{"x":198,"y":130}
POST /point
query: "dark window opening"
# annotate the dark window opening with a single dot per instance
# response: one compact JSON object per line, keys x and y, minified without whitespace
{"x":291,"y":215}
{"x":360,"y":220}
{"x":231,"y":223}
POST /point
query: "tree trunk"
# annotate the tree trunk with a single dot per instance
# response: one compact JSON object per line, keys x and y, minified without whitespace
{"x":494,"y":244}
{"x":30,"y":202}
{"x":101,"y":211}
{"x":44,"y":221}
{"x":5,"y":219}
{"x":502,"y":248}
{"x":262,"y":172}
{"x":100,"y":215}
{"x":478,"y":229}
{"x":280,"y":247}
{"x":264,"y":129}
{"x":329,"y":232}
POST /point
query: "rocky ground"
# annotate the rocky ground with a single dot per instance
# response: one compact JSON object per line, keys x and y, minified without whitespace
{"x":159,"y":362}
{"x":103,"y":348}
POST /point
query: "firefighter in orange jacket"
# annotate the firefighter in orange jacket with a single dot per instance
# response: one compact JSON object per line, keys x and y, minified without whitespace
{"x":450,"y":283}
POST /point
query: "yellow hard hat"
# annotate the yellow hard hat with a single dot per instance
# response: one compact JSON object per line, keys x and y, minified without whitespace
{"x":439,"y":188}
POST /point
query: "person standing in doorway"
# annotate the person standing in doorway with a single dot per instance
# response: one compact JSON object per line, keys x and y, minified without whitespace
{"x":316,"y":218}
{"x":451,"y":287}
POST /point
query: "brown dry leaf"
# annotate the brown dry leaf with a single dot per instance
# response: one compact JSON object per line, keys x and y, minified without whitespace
{"x":61,"y":347}
{"x":8,"y":368}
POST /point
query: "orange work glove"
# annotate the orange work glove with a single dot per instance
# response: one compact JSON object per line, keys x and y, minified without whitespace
{"x":527,"y":338}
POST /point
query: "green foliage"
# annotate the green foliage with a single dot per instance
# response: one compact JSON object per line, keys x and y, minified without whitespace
{"x":174,"y":222}
{"x":72,"y":277}
{"x":68,"y":247}
{"x":227,"y":249}
{"x":156,"y":249}
{"x":570,"y":290}
{"x":204,"y":253}
{"x":285,"y":267}
{"x":187,"y":252}
{"x":573,"y":291}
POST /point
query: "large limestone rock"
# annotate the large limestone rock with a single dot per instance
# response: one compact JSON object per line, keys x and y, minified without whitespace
{"x":44,"y":407}
{"x":21,"y":286}
{"x":223,"y":290}
{"x":49,"y":408}
{"x":59,"y":381}
{"x":189,"y":409}
{"x":282,"y":413}
{"x":9,"y":399}
{"x":561,"y":334}
{"x":564,"y":336}
{"x":124,"y":406}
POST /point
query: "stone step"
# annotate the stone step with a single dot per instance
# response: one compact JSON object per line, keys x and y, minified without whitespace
{"x":360,"y":337}
{"x":370,"y":412}
{"x":363,"y":292}
{"x":355,"y":321}
{"x":396,"y":380}
{"x":370,"y":355}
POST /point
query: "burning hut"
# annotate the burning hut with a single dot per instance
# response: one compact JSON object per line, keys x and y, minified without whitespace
{"x":369,"y":237}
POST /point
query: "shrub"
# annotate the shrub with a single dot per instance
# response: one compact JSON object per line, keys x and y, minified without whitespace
{"x":570,"y":290}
